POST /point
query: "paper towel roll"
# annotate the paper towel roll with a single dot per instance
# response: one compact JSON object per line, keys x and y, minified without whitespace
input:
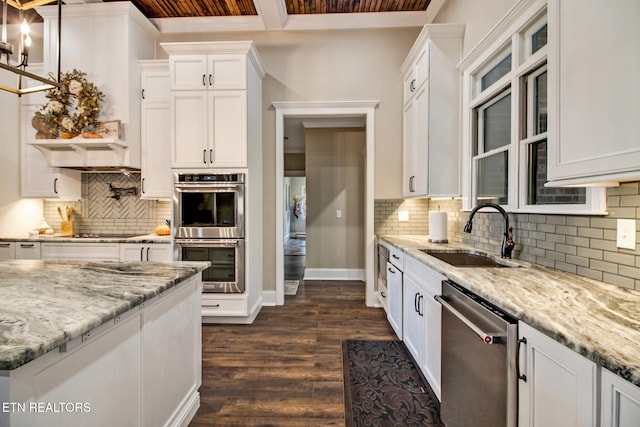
{"x":438,"y":227}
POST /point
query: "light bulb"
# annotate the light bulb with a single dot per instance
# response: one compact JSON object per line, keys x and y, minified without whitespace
{"x":24,"y":27}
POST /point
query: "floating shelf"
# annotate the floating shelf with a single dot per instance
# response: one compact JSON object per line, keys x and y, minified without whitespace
{"x":83,"y":153}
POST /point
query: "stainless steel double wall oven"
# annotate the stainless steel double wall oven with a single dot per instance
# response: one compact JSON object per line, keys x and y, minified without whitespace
{"x":208,"y":225}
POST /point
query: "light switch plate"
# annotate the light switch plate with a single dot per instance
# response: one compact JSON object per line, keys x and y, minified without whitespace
{"x":403,"y":216}
{"x":627,"y":233}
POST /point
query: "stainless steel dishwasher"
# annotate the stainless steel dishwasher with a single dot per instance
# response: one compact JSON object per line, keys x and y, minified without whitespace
{"x":479,"y":376}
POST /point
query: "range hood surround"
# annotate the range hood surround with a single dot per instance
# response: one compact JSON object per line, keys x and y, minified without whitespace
{"x":87,"y":155}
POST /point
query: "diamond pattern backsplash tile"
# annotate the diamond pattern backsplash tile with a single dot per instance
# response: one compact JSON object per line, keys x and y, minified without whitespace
{"x":100,"y":213}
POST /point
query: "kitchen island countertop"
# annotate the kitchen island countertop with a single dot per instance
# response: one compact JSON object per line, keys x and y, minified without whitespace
{"x":45,"y":304}
{"x":598,"y":320}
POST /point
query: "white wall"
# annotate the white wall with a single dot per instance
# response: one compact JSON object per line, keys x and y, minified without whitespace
{"x":17,"y":215}
{"x":479,"y":16}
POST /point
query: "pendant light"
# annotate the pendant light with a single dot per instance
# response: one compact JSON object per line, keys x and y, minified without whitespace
{"x":7,"y":49}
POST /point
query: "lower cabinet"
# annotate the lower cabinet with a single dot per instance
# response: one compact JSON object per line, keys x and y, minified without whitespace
{"x":145,"y":252}
{"x":19,"y":250}
{"x":7,"y":250}
{"x":423,"y":318}
{"x":560,"y":385}
{"x":620,"y":401}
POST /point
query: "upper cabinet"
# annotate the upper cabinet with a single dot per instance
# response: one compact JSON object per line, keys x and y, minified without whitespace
{"x":594,"y":91}
{"x":215,"y":95}
{"x":155,"y":118}
{"x":431,"y":143}
{"x":202,"y":72}
{"x":106,"y":41}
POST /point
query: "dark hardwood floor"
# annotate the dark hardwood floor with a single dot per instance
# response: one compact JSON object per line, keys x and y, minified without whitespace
{"x":286,"y":368}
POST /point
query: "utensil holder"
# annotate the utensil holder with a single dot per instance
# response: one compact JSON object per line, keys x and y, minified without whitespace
{"x":67,"y":228}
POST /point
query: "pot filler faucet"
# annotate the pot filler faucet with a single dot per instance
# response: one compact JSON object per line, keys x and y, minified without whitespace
{"x":507,"y":240}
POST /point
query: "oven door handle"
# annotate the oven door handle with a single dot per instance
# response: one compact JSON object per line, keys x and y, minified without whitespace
{"x":486,"y":337}
{"x":207,"y":186}
{"x":211,"y":243}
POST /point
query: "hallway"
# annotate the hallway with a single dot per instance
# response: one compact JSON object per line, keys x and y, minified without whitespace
{"x":295,"y":251}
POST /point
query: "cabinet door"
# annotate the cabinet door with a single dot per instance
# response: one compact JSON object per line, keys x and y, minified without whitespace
{"x":560,"y":386}
{"x":594,"y":95}
{"x":156,"y":151}
{"x":408,"y":144}
{"x":189,"y":138}
{"x":132,"y":252}
{"x":28,"y":250}
{"x":155,"y":86}
{"x":227,"y":72}
{"x":228,"y":129}
{"x":394,"y":289}
{"x":413,"y":320}
{"x":7,"y":250}
{"x":415,"y":145}
{"x":620,"y":401}
{"x":188,"y":72}
{"x":159,"y":252}
{"x":38,"y":178}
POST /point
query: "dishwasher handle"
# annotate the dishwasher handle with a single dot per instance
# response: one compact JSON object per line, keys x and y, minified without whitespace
{"x":486,"y":337}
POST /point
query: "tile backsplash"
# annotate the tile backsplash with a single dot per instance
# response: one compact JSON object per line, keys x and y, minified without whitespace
{"x":100,"y":213}
{"x":580,"y":244}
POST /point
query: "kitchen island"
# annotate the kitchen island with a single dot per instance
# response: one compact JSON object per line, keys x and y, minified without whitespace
{"x":99,"y":343}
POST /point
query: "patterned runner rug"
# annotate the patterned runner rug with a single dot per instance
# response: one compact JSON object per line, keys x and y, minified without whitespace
{"x":384,"y":388}
{"x":291,"y":287}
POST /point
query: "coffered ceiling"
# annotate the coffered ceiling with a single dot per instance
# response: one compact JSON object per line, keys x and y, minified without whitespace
{"x":172,"y":16}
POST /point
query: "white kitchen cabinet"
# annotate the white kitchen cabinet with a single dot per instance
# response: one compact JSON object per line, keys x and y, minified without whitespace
{"x":27,"y":250}
{"x":208,"y":72}
{"x":209,"y":129}
{"x":594,"y":97}
{"x":394,"y":292}
{"x":423,"y":316}
{"x":38,"y":179}
{"x":7,"y":250}
{"x":155,"y":131}
{"x":620,"y":399}
{"x":146,"y":252}
{"x":80,"y":251}
{"x":431,"y":145}
{"x":214,"y":87}
{"x":560,"y":388}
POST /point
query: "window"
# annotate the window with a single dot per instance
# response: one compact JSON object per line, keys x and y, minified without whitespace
{"x":506,"y":130}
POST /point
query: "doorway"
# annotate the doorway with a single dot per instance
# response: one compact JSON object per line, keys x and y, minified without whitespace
{"x":295,"y":242}
{"x":363,"y":110}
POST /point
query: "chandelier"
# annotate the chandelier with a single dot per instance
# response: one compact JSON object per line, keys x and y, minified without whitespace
{"x":7,"y":49}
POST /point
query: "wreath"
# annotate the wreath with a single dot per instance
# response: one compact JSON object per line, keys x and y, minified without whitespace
{"x":72,"y":108}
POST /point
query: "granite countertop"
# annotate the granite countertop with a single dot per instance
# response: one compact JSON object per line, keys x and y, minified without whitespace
{"x":598,"y":320}
{"x":44,"y":304}
{"x":146,"y":238}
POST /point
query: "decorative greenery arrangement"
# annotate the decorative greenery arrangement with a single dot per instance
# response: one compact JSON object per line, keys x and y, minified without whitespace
{"x":73,"y":107}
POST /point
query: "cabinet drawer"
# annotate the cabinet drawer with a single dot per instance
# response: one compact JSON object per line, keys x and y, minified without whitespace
{"x":81,"y":251}
{"x":396,"y":257}
{"x":218,"y":306}
{"x":28,"y":250}
{"x":7,"y":250}
{"x":429,"y":279}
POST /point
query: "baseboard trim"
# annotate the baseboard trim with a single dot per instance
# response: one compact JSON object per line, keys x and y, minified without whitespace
{"x":269,"y":298}
{"x":334,"y":274}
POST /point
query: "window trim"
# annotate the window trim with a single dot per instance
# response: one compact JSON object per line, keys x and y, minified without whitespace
{"x":510,"y":35}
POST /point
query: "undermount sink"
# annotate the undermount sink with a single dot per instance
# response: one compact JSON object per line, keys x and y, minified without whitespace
{"x":466,"y":258}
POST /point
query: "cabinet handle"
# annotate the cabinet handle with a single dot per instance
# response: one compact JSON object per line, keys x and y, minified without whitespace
{"x":204,"y":156}
{"x":141,"y":251}
{"x":26,"y":245}
{"x":383,"y":295}
{"x":415,"y":302}
{"x":55,"y":185}
{"x":412,"y":85}
{"x":421,"y":305}
{"x":148,"y":247}
{"x":412,"y":184}
{"x":391,"y":270}
{"x":395,"y":256}
{"x":142,"y":186}
{"x":204,"y":82}
{"x":522,"y":377}
{"x":210,"y":79}
{"x":5,"y":245}
{"x":143,"y":94}
{"x":211,"y":156}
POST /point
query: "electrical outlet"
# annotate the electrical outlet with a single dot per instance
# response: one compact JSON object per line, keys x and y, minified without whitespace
{"x":626,"y":233}
{"x":403,"y":216}
{"x":338,"y":213}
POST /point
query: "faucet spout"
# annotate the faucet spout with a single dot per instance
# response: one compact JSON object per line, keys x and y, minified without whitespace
{"x":507,"y":241}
